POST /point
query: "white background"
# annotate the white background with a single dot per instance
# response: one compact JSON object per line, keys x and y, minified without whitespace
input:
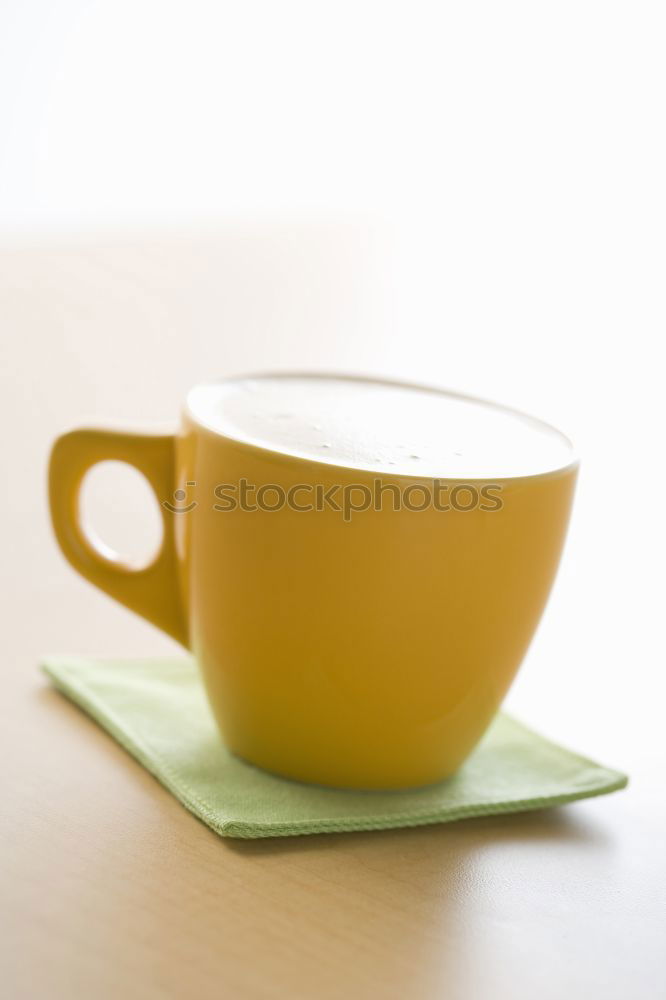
{"x":469,"y":194}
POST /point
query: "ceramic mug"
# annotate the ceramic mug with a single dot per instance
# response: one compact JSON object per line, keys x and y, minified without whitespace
{"x":365,"y":652}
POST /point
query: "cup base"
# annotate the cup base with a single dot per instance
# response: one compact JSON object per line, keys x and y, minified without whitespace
{"x":383,"y":785}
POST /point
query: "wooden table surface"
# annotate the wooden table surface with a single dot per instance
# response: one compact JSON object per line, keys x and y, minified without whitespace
{"x":110,"y":888}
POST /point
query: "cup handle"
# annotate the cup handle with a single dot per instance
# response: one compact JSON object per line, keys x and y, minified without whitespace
{"x":152,"y":591}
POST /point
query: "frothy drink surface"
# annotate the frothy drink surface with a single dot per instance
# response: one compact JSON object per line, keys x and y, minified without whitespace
{"x":380,"y":426}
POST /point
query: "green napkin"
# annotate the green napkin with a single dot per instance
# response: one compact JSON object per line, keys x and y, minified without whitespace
{"x":157,"y":710}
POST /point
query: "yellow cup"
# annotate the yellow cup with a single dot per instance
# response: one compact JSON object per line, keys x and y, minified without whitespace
{"x":362,"y":649}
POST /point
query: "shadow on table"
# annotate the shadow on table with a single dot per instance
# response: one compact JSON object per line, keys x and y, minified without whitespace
{"x":556,"y":825}
{"x":431,"y":911}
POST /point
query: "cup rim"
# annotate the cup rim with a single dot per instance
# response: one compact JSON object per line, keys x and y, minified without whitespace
{"x":257,"y":449}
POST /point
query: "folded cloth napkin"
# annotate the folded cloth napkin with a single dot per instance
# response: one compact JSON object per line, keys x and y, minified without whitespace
{"x":157,"y":710}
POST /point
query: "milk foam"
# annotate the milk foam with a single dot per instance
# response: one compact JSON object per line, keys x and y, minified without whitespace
{"x":381,"y":427}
